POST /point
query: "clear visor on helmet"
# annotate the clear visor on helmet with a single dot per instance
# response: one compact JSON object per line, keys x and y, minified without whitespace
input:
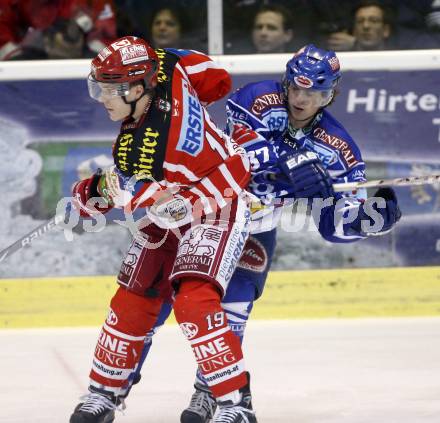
{"x":318,"y":98}
{"x":98,"y":90}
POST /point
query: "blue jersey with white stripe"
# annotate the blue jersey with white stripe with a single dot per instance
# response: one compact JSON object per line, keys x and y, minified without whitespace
{"x":261,"y":107}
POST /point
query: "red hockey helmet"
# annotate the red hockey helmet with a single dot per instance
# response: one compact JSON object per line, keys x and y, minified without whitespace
{"x":128,"y":59}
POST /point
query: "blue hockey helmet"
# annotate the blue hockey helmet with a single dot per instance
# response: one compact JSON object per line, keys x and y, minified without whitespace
{"x":314,"y":68}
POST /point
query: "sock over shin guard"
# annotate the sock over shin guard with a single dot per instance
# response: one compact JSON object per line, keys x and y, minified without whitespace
{"x":217,"y":350}
{"x":121,"y":340}
{"x":237,"y":314}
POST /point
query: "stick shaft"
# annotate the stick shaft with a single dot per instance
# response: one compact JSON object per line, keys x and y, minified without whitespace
{"x":348,"y":186}
{"x":31,"y":236}
{"x":397,"y":182}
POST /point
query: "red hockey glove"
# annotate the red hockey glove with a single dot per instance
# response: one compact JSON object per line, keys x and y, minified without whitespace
{"x":241,"y":134}
{"x":83,"y":191}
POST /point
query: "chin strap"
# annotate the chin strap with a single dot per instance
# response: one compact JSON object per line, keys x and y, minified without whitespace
{"x":133,"y":103}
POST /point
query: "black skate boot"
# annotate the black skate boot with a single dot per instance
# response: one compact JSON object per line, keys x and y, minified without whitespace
{"x":237,"y":412}
{"x":96,"y":408}
{"x":201,"y":408}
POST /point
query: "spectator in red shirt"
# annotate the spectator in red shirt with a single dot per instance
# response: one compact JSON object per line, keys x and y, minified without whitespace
{"x":54,"y":29}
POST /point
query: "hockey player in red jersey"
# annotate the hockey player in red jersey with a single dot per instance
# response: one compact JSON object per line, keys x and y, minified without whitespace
{"x":172,"y":161}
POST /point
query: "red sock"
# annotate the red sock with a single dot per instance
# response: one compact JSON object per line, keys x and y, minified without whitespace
{"x":121,"y":339}
{"x":217,"y":350}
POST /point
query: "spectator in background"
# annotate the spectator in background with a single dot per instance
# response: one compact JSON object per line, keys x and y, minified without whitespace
{"x":103,"y":30}
{"x":177,"y":26}
{"x":371,"y":29}
{"x":164,"y":23}
{"x":272,"y":31}
{"x":54,"y":29}
{"x":166,"y":28}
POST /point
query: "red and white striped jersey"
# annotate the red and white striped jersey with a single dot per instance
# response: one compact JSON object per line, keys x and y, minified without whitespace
{"x":175,"y":148}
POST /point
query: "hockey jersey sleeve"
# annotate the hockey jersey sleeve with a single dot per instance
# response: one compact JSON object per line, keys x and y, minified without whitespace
{"x":171,"y":206}
{"x":342,"y":158}
{"x":239,"y":109}
{"x":210,"y":80}
{"x":247,"y":128}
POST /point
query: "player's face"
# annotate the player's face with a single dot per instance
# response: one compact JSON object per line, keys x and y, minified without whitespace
{"x":305,"y":103}
{"x":112,"y":95}
{"x":116,"y":108}
{"x":269,"y":35}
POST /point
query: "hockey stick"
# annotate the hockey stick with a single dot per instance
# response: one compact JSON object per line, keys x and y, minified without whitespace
{"x":44,"y":228}
{"x":31,"y":236}
{"x":397,"y":182}
{"x":348,"y":186}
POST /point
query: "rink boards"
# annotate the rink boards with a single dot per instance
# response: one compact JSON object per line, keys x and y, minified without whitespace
{"x":83,"y":301}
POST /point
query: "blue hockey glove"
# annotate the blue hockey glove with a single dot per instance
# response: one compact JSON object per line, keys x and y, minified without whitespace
{"x":268,"y":184}
{"x":306,"y":175}
{"x":390,"y":214}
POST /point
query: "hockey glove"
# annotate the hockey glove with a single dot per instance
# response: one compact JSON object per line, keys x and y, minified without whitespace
{"x":374,"y":220}
{"x":83,"y":191}
{"x":242,"y":134}
{"x":306,"y":175}
{"x":269,"y":184}
{"x":261,"y":153}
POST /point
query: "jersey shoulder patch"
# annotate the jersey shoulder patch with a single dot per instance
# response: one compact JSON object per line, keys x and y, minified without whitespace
{"x":331,"y":133}
{"x":259,"y":96}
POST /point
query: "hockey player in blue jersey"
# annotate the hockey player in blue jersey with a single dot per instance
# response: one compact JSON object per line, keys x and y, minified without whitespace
{"x":298,"y":150}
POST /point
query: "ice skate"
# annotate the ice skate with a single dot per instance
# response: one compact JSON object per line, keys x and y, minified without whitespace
{"x":201,"y":408}
{"x":240,"y":411}
{"x":95,"y":408}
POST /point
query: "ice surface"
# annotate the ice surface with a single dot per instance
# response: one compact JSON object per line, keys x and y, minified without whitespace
{"x":320,"y":371}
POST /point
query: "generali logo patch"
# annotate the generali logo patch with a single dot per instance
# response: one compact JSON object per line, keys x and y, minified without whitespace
{"x":112,"y":318}
{"x":266,"y":101}
{"x":254,"y":256}
{"x":190,"y":330}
